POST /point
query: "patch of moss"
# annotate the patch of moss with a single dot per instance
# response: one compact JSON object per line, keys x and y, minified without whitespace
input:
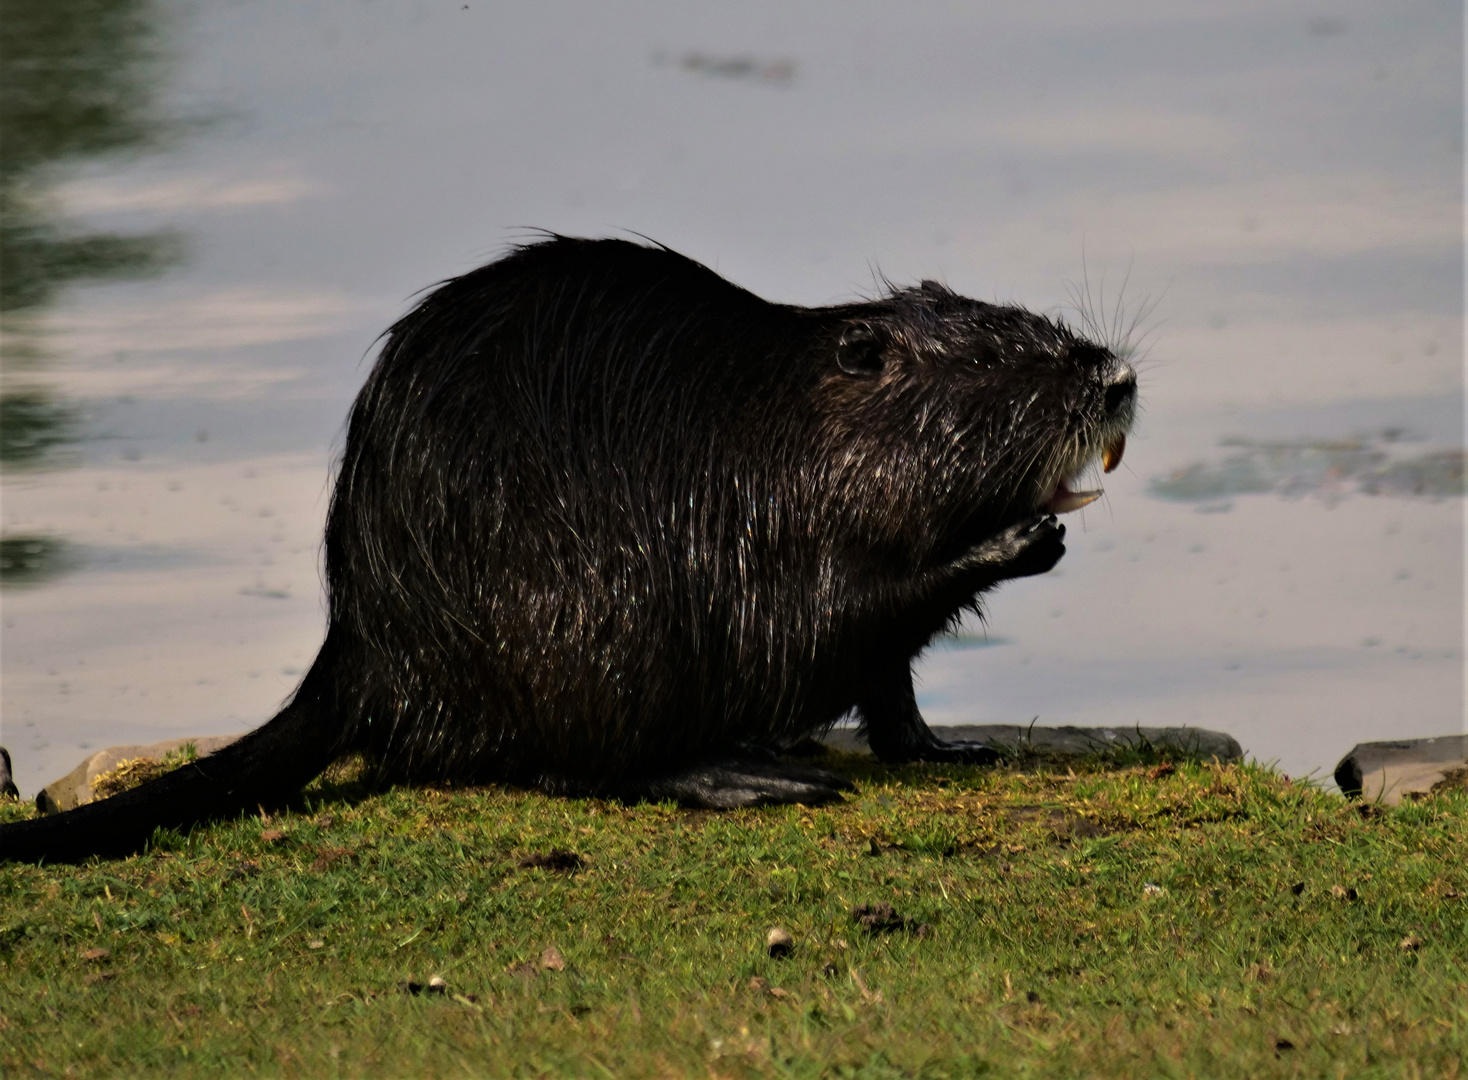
{"x":131,"y":772}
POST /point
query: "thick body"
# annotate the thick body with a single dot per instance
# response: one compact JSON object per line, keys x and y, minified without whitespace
{"x":606,"y":523}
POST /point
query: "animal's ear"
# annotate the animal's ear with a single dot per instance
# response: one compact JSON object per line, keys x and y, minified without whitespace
{"x":861,"y":350}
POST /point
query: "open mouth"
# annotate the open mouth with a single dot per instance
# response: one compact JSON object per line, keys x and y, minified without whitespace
{"x":1063,"y":498}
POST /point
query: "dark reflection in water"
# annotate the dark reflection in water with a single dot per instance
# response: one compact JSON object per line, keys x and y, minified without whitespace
{"x":77,"y":83}
{"x":29,"y":560}
{"x":32,"y":423}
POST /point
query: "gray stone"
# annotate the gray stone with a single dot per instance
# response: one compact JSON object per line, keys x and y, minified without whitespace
{"x":75,"y":788}
{"x":1067,"y":741}
{"x":1386,"y":772}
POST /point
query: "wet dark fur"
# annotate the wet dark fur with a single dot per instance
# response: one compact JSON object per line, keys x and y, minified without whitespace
{"x":605,"y":520}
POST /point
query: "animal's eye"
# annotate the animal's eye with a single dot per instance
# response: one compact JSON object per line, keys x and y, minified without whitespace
{"x":860,"y":351}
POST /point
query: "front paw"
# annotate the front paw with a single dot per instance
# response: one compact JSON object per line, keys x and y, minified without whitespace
{"x":961,"y":753}
{"x":937,"y":751}
{"x":1031,"y":547}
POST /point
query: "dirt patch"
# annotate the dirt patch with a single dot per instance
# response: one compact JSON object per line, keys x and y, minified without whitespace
{"x":564,"y":862}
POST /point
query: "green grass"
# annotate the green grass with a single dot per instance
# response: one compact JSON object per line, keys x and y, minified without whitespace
{"x":1111,"y":922}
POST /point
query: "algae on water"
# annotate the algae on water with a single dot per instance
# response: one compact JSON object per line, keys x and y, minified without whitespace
{"x":1325,"y":468}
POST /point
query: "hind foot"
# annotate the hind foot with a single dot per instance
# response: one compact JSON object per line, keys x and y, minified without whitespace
{"x":734,"y":782}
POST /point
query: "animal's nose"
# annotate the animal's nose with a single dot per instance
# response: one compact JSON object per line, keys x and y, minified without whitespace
{"x":1121,"y":391}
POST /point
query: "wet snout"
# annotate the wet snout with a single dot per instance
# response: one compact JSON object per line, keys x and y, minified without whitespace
{"x":1121,"y":395}
{"x":1121,"y":402}
{"x":1120,"y":398}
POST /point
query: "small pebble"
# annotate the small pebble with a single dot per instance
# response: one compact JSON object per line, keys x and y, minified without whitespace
{"x":779,"y":943}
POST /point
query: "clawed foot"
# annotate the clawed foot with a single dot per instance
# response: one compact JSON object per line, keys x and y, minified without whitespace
{"x":735,"y":782}
{"x":938,"y":751}
{"x":1030,"y":547}
{"x":962,"y":753}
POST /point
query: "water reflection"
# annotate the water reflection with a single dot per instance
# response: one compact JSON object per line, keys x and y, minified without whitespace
{"x":29,"y":560}
{"x":79,"y":82}
{"x":32,"y":424}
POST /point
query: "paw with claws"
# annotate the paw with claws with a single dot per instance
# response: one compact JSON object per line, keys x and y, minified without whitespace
{"x":1030,"y":547}
{"x":933,"y":749}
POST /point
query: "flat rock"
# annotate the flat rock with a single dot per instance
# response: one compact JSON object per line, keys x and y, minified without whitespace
{"x":1387,"y":772}
{"x":75,"y":788}
{"x":1066,"y":741}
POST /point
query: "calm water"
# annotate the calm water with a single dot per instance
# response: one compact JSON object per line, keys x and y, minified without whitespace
{"x":198,"y":265}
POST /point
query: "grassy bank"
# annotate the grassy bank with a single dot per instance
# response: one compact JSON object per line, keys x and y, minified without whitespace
{"x":1190,"y":921}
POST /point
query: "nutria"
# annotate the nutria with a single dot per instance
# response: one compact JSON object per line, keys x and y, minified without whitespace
{"x":607,"y":524}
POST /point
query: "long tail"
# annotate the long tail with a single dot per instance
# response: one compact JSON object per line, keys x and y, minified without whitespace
{"x":266,"y":767}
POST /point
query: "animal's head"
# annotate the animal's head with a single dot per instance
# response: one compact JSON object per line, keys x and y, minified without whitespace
{"x":956,"y":418}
